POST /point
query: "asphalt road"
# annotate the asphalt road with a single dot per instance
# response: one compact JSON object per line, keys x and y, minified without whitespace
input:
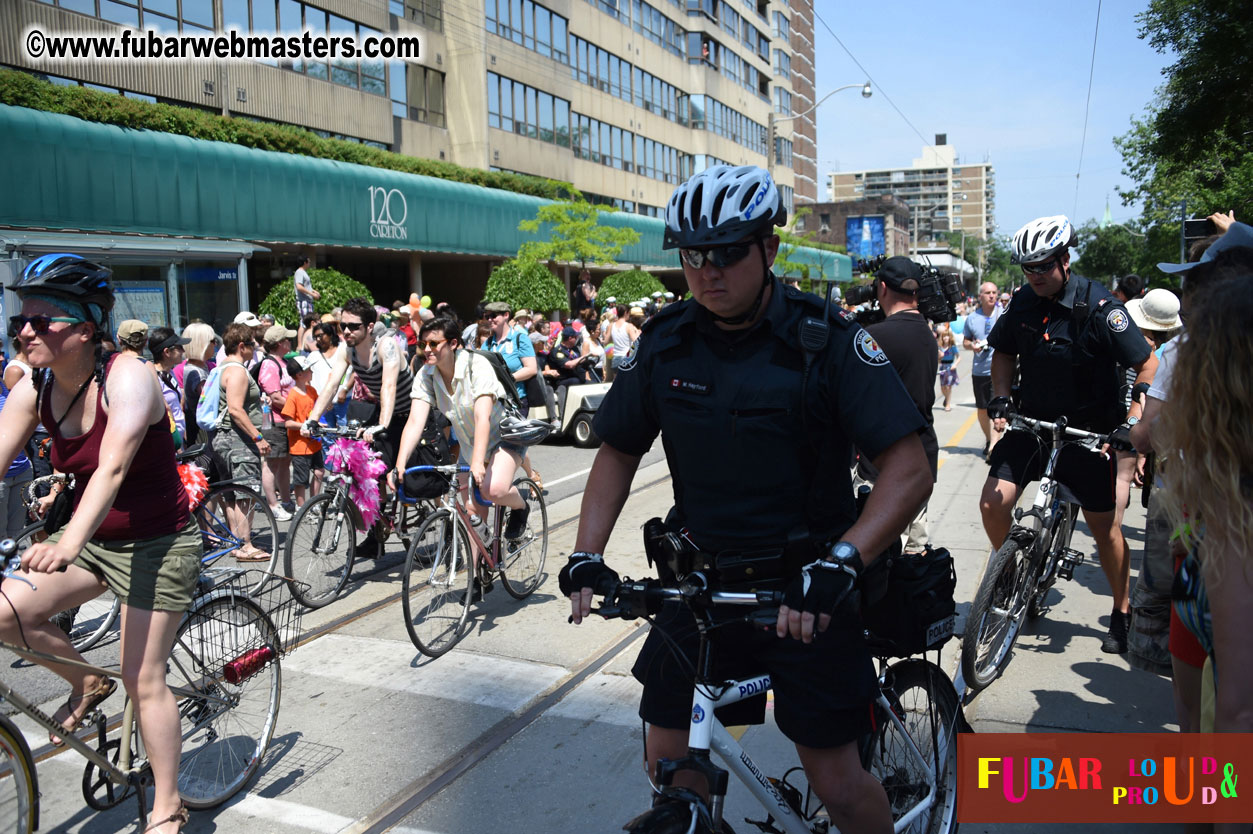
{"x":529,"y":724}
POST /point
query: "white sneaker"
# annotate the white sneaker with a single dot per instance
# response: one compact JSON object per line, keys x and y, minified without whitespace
{"x":280,"y":513}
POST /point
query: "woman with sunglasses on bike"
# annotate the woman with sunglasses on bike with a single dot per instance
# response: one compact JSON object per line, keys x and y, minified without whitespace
{"x":464,"y":387}
{"x":130,"y":530}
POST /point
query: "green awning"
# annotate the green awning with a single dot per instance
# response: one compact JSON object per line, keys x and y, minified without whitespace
{"x":66,"y":173}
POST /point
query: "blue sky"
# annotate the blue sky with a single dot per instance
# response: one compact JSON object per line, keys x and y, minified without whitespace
{"x":1007,"y":82}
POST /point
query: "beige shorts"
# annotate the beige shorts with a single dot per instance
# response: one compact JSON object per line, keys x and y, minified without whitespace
{"x":157,"y":574}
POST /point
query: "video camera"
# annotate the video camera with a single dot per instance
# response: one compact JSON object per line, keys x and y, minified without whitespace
{"x":938,"y":294}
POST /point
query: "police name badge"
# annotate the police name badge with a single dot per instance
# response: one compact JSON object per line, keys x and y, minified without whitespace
{"x":1118,"y":321}
{"x":868,"y":350}
{"x":628,"y":361}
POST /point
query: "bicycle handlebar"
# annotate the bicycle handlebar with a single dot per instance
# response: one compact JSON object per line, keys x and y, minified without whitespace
{"x":319,"y":430}
{"x":452,"y":469}
{"x":631,"y":599}
{"x":1018,"y":421}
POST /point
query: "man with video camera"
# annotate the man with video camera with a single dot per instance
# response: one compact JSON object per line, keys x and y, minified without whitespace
{"x":906,"y":338}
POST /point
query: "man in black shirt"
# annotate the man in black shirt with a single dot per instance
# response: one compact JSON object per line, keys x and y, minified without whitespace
{"x":906,"y":338}
{"x":1067,"y":335}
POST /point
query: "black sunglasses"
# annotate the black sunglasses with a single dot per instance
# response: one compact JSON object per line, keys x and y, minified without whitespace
{"x":348,"y":325}
{"x":1039,"y":269}
{"x":719,"y":256}
{"x":40,"y":323}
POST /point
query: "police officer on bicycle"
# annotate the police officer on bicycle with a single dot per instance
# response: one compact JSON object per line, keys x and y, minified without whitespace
{"x":1067,"y":335}
{"x":758,"y":435}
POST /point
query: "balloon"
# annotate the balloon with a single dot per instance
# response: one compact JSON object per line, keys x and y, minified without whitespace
{"x":413,"y":300}
{"x":426,"y":301}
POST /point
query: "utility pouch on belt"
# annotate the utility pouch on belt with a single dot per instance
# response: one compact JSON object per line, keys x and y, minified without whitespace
{"x":670,"y":553}
{"x":915,"y":611}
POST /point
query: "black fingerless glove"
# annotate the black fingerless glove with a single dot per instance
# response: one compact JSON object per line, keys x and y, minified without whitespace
{"x":1120,"y":439}
{"x":586,"y":570}
{"x":1000,"y":408}
{"x":821,"y":587}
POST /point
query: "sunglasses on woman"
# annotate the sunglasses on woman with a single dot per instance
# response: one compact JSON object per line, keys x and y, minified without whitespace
{"x":40,"y":323}
{"x":719,"y":256}
{"x":431,"y":344}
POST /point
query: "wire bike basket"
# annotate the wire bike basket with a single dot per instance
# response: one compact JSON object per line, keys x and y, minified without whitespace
{"x":241,"y":622}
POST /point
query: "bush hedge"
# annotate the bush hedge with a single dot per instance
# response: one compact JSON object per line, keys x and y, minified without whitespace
{"x":22,"y":89}
{"x":335,"y":287}
{"x":526,"y":284}
{"x":629,"y":286}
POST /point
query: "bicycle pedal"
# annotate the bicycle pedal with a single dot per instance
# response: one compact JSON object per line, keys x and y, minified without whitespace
{"x":1069,"y":560}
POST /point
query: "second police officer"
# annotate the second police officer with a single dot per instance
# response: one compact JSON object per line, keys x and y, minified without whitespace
{"x":1068,"y":336}
{"x":758,"y":456}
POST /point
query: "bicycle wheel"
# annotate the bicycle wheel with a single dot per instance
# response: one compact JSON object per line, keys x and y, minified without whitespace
{"x":226,"y":726}
{"x":996,"y":615}
{"x":436,"y":590}
{"x":320,"y":548}
{"x":521,"y":565}
{"x":1059,"y":540}
{"x":233,"y":518}
{"x":85,"y":624}
{"x":926,"y":704}
{"x":19,"y":786}
{"x":674,"y":816}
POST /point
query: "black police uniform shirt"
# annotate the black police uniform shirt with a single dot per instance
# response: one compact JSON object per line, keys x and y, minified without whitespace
{"x":557,"y":359}
{"x":727,"y":404}
{"x":907,"y":339}
{"x":1068,"y":368}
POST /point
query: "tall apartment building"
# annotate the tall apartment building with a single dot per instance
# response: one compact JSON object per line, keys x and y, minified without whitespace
{"x":623,"y":98}
{"x":943,"y":194}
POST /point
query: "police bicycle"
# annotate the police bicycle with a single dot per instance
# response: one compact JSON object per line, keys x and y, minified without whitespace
{"x":224,"y":674}
{"x":912,"y":751}
{"x":1035,"y":554}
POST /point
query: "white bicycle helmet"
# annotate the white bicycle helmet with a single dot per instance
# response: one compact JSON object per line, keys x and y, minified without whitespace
{"x":1042,"y":238}
{"x":723,"y":204}
{"x":524,"y":432}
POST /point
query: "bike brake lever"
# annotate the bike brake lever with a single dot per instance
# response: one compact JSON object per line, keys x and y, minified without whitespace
{"x":763,"y":618}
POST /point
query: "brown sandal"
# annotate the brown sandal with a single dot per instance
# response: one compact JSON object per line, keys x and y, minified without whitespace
{"x":91,"y":698}
{"x":181,"y":816}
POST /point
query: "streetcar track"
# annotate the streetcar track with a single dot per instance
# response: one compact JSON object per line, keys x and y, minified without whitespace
{"x":419,"y":791}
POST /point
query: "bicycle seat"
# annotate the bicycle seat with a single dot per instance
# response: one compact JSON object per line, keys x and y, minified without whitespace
{"x":188,"y":455}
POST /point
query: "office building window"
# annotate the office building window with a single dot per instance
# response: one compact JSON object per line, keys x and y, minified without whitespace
{"x":783,"y":152}
{"x":782,"y":101}
{"x":526,"y":111}
{"x":658,"y":28}
{"x":426,"y":13}
{"x":782,"y":30}
{"x":782,"y":64}
{"x":417,"y":93}
{"x":529,"y":24}
{"x":155,"y":14}
{"x":785,"y":192}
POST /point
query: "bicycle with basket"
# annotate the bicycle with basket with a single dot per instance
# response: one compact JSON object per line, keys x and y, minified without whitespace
{"x":224,"y":671}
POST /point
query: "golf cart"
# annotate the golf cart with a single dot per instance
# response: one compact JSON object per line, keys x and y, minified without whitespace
{"x":582,"y":400}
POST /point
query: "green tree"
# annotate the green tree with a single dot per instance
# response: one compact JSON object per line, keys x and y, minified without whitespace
{"x":526,"y":284}
{"x":335,"y":287}
{"x":1110,"y":252}
{"x":1192,"y":143}
{"x":629,"y":286}
{"x":785,"y":264}
{"x":575,"y":233}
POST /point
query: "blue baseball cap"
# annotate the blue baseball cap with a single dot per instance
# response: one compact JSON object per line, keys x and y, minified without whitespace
{"x":1240,"y":234}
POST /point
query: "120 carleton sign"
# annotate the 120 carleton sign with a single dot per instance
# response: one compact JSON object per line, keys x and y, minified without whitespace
{"x":388,"y":211}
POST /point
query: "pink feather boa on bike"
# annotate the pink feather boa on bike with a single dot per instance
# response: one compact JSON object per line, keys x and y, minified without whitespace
{"x":365,"y":466}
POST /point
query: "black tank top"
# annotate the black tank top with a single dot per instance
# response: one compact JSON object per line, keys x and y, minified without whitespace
{"x":372,"y":377}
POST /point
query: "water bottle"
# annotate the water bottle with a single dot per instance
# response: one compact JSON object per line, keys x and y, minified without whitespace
{"x":247,"y":664}
{"x":481,"y":528}
{"x":267,"y":419}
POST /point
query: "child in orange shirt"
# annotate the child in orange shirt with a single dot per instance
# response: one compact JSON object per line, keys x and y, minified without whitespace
{"x":306,"y":453}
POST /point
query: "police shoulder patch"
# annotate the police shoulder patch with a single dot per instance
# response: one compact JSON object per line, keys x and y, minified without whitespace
{"x":868,"y":350}
{"x":628,"y":361}
{"x":1118,"y":320}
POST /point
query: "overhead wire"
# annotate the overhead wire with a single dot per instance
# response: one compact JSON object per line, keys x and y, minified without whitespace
{"x":877,"y":86}
{"x":1087,"y":106}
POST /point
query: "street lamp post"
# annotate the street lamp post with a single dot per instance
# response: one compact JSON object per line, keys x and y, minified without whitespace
{"x":866,"y":92}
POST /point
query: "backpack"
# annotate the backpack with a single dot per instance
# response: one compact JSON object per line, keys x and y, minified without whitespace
{"x":209,"y":405}
{"x":255,"y":370}
{"x":504,"y":375}
{"x":908,"y":600}
{"x":432,"y":450}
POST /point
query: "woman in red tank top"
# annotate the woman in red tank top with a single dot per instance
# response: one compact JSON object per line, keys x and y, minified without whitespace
{"x":130,"y":530}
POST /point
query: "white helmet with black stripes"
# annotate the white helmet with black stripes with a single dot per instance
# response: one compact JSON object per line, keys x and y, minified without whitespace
{"x":1041,"y":239}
